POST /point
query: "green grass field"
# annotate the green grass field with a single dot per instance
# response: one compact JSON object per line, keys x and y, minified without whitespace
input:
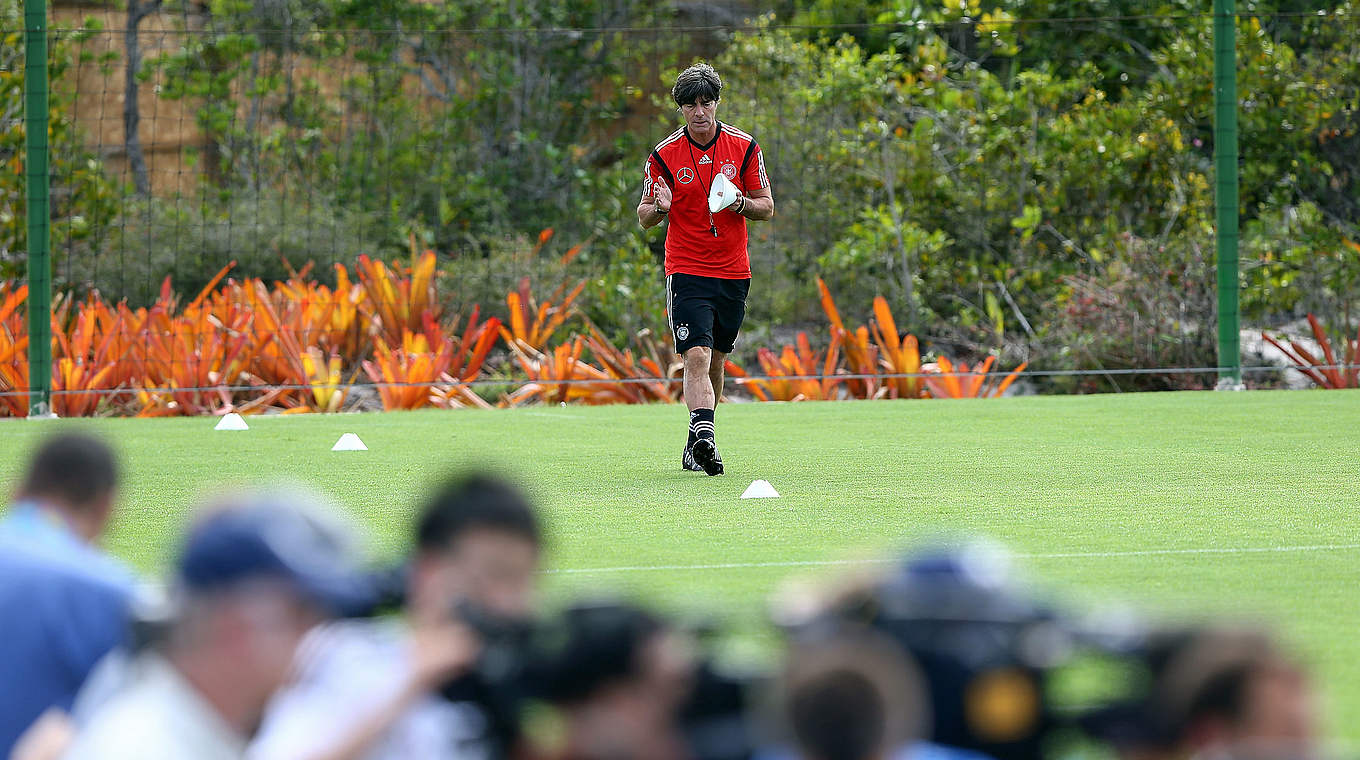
{"x":1181,"y":504}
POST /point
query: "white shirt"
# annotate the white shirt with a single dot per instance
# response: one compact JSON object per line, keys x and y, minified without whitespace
{"x":347,"y":671}
{"x":160,"y":716}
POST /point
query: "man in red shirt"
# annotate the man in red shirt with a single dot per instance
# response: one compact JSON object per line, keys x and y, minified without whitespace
{"x":708,"y":271}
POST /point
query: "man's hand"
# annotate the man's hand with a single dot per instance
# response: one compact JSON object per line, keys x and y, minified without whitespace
{"x":440,"y":652}
{"x":661,"y":195}
{"x":47,"y":739}
{"x":759,"y":205}
{"x":654,"y":208}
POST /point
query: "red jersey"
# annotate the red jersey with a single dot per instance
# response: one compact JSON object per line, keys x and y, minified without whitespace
{"x":689,"y":168}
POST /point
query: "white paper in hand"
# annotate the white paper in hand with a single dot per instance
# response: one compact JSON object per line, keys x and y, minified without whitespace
{"x":723,"y":194}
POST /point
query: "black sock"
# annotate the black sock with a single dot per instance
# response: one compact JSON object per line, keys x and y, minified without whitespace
{"x":701,"y":423}
{"x":692,"y":436}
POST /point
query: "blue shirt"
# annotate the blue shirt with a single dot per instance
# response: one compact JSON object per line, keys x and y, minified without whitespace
{"x":63,"y":606}
{"x":918,"y":750}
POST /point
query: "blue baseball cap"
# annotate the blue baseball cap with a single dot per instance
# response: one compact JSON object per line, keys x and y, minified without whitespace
{"x":277,"y":535}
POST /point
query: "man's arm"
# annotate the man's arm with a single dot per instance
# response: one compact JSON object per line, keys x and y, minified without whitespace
{"x":758,"y":205}
{"x":648,"y":216}
{"x":319,"y":722}
{"x":758,"y":202}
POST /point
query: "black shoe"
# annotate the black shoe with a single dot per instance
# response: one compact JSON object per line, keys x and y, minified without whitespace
{"x":706,"y":456}
{"x":687,"y":461}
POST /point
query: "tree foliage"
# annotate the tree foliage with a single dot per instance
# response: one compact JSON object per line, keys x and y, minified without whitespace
{"x":84,"y":200}
{"x":1023,"y":176}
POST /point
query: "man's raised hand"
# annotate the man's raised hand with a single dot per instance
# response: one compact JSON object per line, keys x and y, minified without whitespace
{"x":661,"y":195}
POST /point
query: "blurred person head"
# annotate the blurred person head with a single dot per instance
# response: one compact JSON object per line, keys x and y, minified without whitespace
{"x":1235,"y":692}
{"x":75,"y":475}
{"x":852,"y":697}
{"x":64,"y":602}
{"x":256,"y":572}
{"x":477,"y":542}
{"x":619,"y":675}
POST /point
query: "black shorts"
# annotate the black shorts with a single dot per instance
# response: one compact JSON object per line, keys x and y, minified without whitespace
{"x":705,"y":311}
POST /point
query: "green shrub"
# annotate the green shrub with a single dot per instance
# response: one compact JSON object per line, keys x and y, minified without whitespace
{"x":188,"y":240}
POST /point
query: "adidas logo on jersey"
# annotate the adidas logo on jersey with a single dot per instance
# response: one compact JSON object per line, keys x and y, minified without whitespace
{"x":705,"y":160}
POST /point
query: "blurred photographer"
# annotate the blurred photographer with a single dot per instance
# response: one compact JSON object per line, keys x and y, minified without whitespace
{"x":64,"y":601}
{"x":1232,"y":693}
{"x":413,"y":687}
{"x":618,"y":678}
{"x":256,"y":573}
{"x":855,"y":697}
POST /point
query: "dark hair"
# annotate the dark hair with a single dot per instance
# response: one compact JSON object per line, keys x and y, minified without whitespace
{"x":696,"y":83}
{"x":72,"y":468}
{"x":591,"y":646}
{"x":838,"y":715}
{"x":475,"y":502}
{"x":1210,"y":676}
{"x":851,"y":696}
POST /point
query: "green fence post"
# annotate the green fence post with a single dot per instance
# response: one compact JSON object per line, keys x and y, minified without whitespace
{"x":39,"y":211}
{"x":1225,"y":169}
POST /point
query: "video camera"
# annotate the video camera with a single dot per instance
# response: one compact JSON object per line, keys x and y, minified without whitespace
{"x":497,"y":682}
{"x":1006,"y":675}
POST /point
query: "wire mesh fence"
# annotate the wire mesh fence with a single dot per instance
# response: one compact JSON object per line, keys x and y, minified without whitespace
{"x":1027,"y":180}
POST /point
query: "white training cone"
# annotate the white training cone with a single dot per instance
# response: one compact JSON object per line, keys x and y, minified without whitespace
{"x":231,"y":421}
{"x":349,"y":442}
{"x":722,"y":195}
{"x":760,"y":489}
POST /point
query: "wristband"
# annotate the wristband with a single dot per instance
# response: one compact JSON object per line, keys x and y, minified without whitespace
{"x":741,"y":206}
{"x":659,"y":210}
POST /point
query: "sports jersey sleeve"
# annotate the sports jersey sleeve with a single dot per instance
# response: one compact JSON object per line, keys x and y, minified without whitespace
{"x":654,"y":169}
{"x":648,"y":177}
{"x":753,"y":175}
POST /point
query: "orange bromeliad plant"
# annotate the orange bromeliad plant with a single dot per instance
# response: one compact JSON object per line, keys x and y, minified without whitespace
{"x":245,"y":346}
{"x":532,"y":324}
{"x":192,"y":357}
{"x":406,"y":374}
{"x":283,"y":357}
{"x":324,"y":376}
{"x":901,"y":355}
{"x":861,"y":356}
{"x":329,"y":319}
{"x":559,"y":376}
{"x":399,"y":299}
{"x":1326,"y":372}
{"x":740,"y":377}
{"x":454,"y":389}
{"x":633,"y":380}
{"x":946,"y":380}
{"x":432,"y":368}
{"x":888,"y":353}
{"x":796,"y":374}
{"x":13,"y":351}
{"x":87,"y":360}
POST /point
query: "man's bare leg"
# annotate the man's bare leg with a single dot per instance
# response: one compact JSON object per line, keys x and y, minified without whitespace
{"x":715,"y":375}
{"x":698,"y":383}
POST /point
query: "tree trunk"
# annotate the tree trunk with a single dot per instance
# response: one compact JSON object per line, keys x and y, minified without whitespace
{"x":131,"y":112}
{"x":908,"y":283}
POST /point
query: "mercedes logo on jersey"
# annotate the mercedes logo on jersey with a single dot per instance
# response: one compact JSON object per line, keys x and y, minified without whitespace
{"x":685,"y":175}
